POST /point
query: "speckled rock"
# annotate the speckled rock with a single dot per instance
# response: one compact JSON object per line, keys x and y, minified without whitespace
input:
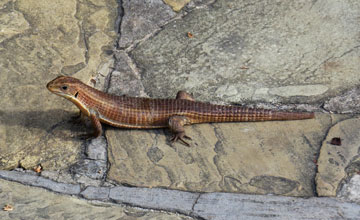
{"x":335,"y":161}
{"x":177,"y":5}
{"x":40,"y":41}
{"x":35,"y":203}
{"x":351,"y":190}
{"x":288,"y":51}
{"x":264,"y":157}
{"x":142,"y":18}
{"x":348,"y":102}
{"x":125,"y":80}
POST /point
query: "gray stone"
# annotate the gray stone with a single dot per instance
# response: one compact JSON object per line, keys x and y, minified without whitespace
{"x":53,"y":175}
{"x":177,"y":5}
{"x":96,"y":193}
{"x":288,"y":52}
{"x":18,"y":176}
{"x":36,"y":203}
{"x":155,"y":198}
{"x":142,"y":18}
{"x":351,"y":190}
{"x":39,"y":181}
{"x":87,"y":181}
{"x":95,"y":169}
{"x":56,"y":186}
{"x":126,"y":79}
{"x":348,"y":102}
{"x":226,"y":206}
{"x":96,"y":149}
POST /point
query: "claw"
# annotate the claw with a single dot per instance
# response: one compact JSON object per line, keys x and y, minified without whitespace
{"x":181,"y":136}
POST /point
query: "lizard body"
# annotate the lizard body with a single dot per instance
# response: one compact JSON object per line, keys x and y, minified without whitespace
{"x":135,"y":112}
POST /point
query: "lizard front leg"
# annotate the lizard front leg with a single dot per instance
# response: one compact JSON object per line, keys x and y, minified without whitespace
{"x":176,"y":125}
{"x":94,"y":117}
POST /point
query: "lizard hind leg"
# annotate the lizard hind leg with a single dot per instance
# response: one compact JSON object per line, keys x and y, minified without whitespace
{"x":184,"y":95}
{"x":176,"y":125}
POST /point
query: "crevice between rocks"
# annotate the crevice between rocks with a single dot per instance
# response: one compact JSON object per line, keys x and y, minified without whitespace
{"x":118,"y":22}
{"x":332,"y":124}
{"x":314,"y":184}
{"x":196,"y":201}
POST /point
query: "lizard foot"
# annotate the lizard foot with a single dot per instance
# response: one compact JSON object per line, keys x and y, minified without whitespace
{"x":180,"y":136}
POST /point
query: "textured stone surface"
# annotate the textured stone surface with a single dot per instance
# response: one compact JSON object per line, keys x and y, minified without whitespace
{"x":255,"y":51}
{"x":33,"y":203}
{"x":225,"y":206}
{"x":125,"y":80}
{"x":94,"y":169}
{"x":177,"y":5}
{"x":96,"y":193}
{"x":334,"y":160}
{"x":39,"y":41}
{"x":96,"y":149}
{"x":142,"y":18}
{"x":232,"y":157}
{"x":39,"y":181}
{"x":170,"y":200}
{"x":349,"y":102}
{"x":351,"y":190}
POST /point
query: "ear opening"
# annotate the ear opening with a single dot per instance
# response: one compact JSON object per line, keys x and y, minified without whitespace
{"x":76,"y":94}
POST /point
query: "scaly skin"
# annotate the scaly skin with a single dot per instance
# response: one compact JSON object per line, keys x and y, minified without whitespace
{"x":133,"y":112}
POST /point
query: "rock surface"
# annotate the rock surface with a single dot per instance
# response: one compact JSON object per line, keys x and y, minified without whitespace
{"x":351,"y":190}
{"x":30,"y":203}
{"x":234,"y":157}
{"x":177,"y":5}
{"x":348,"y":102}
{"x":142,"y":18}
{"x":287,"y":52}
{"x":335,"y":160}
{"x":40,"y":41}
{"x":196,"y":205}
{"x":300,"y":55}
{"x":221,"y":206}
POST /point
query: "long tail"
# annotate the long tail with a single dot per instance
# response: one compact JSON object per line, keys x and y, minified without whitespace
{"x":218,"y":113}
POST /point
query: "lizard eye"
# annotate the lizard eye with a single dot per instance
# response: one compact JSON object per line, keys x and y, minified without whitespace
{"x":64,"y":87}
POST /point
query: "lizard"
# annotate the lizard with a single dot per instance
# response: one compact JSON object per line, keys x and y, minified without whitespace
{"x":146,"y":113}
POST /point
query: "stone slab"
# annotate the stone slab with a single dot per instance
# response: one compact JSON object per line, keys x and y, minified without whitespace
{"x":96,"y":193}
{"x":261,"y":157}
{"x":335,"y":160}
{"x":94,"y":169}
{"x":33,"y":180}
{"x":34,"y":203}
{"x":40,"y":41}
{"x":348,"y":102}
{"x":351,"y":190}
{"x":226,"y":206}
{"x":96,"y":149}
{"x":159,"y":199}
{"x":288,"y":52}
{"x":142,"y":18}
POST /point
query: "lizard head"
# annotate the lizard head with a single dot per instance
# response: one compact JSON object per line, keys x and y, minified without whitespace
{"x":65,"y":86}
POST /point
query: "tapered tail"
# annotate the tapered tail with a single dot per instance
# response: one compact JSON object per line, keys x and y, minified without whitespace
{"x":239,"y":114}
{"x":289,"y":115}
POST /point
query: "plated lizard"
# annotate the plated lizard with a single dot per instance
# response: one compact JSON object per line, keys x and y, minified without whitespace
{"x":136,"y":112}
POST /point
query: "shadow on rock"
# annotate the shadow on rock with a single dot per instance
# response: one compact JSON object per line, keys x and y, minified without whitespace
{"x":49,"y":121}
